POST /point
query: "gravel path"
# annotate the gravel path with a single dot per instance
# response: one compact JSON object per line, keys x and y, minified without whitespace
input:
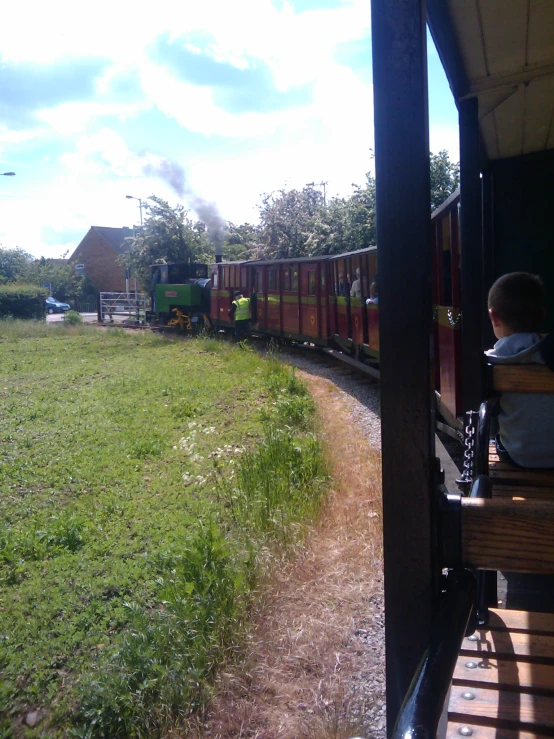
{"x":361,"y":401}
{"x":316,"y":660}
{"x":366,"y":686}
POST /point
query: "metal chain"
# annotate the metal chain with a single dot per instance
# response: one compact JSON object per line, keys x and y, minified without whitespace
{"x":453,"y":321}
{"x":468,"y":471}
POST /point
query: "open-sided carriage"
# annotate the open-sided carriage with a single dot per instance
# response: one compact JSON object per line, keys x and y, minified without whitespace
{"x":462,"y":659}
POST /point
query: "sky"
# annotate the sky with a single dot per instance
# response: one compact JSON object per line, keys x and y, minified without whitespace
{"x":195,"y":102}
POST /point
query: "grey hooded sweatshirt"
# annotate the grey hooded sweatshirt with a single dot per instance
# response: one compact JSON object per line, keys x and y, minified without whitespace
{"x":526,"y":421}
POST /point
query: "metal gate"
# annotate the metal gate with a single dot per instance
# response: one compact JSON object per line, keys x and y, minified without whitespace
{"x":121,"y":308}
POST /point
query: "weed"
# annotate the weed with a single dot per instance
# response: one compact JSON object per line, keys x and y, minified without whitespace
{"x":72,"y":318}
{"x":164,"y":659}
{"x":212,"y":344}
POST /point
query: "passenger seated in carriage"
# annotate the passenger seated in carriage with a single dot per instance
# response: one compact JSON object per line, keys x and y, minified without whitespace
{"x":342,"y":288}
{"x":525,"y":422}
{"x":373,"y":292}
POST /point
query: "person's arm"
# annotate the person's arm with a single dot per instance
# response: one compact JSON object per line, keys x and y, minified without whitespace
{"x":232,"y":310}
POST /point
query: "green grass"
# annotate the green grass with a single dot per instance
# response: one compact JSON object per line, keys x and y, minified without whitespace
{"x":143,"y":482}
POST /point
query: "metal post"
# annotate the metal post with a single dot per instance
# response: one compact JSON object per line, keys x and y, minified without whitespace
{"x":406,"y":310}
{"x":473,"y":295}
{"x":488,"y":252}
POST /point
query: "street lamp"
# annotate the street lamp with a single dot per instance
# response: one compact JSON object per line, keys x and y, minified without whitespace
{"x":8,"y":174}
{"x":141,"y":206}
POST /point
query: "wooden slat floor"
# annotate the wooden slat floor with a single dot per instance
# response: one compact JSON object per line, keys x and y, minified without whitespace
{"x":503,"y":685}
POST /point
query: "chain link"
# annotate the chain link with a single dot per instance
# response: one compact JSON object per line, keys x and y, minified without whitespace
{"x":453,"y":321}
{"x":468,"y":472}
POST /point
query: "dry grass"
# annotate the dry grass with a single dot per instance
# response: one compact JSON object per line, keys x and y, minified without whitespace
{"x":303,"y":657}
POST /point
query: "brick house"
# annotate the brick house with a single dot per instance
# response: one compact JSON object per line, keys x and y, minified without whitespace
{"x":96,"y":257}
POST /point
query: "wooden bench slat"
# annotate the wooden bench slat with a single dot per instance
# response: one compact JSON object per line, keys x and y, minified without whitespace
{"x":530,"y":483}
{"x":523,"y":493}
{"x":522,"y":378}
{"x":517,"y":709}
{"x":514,"y":674}
{"x":488,"y":732}
{"x":506,"y":619}
{"x":508,"y":709}
{"x":539,"y":478}
{"x":512,"y":535}
{"x":504,"y":644}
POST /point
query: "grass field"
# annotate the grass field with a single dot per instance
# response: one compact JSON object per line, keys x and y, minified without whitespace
{"x":146,"y":487}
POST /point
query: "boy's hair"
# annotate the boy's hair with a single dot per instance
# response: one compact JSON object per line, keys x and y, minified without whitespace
{"x":518,"y":300}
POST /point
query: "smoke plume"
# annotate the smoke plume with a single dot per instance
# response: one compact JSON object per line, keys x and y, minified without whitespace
{"x":174,"y":175}
{"x":170,"y":172}
{"x":210,"y":215}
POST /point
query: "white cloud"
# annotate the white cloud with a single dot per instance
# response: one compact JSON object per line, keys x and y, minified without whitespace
{"x":74,"y":118}
{"x":326,"y":139}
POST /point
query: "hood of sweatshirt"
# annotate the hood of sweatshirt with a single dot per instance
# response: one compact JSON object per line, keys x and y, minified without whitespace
{"x":516,"y":349}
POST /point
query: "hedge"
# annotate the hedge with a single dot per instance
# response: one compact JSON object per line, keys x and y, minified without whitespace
{"x":22,"y":301}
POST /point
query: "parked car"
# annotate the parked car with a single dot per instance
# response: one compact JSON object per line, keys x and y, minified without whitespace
{"x":54,"y":306}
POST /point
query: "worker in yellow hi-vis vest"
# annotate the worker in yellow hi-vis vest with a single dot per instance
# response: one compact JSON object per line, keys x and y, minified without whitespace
{"x":240,"y":312}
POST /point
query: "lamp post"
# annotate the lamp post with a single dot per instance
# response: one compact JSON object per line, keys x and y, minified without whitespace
{"x":141,"y":206}
{"x":8,"y":174}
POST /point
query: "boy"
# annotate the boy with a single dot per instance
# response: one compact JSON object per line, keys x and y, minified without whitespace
{"x":526,"y":422}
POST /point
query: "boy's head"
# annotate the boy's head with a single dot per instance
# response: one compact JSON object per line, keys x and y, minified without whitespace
{"x":516,"y":304}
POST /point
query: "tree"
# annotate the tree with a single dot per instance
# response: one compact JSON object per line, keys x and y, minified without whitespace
{"x":241,"y":242}
{"x":64,"y":283}
{"x":167,"y":236}
{"x":287,"y":221}
{"x":13,"y":263}
{"x":445,"y":177}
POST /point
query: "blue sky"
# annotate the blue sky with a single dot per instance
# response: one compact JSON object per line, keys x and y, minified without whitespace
{"x":243,"y":98}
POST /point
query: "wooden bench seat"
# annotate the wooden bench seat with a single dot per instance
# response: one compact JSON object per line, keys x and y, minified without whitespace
{"x":509,"y":481}
{"x":503,"y":684}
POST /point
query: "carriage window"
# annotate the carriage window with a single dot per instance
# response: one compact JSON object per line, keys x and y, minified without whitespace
{"x":224,"y":277}
{"x":311,"y":282}
{"x":322,"y":278}
{"x":214,"y":277}
{"x":272,"y":279}
{"x":258,"y":282}
{"x":294,"y":281}
{"x":287,"y":280}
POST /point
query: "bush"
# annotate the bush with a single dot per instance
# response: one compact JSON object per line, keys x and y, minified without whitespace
{"x":22,"y":301}
{"x":73,"y":318}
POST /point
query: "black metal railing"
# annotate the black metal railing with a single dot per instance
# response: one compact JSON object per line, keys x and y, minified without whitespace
{"x":421,"y":711}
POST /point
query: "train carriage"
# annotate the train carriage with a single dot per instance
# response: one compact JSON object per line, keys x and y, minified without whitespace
{"x":226,"y":279}
{"x":442,"y":679}
{"x":354,"y":323}
{"x":292,"y":298}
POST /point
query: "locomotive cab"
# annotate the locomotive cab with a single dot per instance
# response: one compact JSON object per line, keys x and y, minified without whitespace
{"x":180,"y":294}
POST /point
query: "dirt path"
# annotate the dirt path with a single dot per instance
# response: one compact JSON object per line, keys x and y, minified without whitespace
{"x":315,"y":663}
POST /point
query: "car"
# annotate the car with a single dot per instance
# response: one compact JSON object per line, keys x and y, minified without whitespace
{"x":55,"y":306}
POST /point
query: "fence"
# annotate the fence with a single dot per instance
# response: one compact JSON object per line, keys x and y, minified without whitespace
{"x":121,"y":307}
